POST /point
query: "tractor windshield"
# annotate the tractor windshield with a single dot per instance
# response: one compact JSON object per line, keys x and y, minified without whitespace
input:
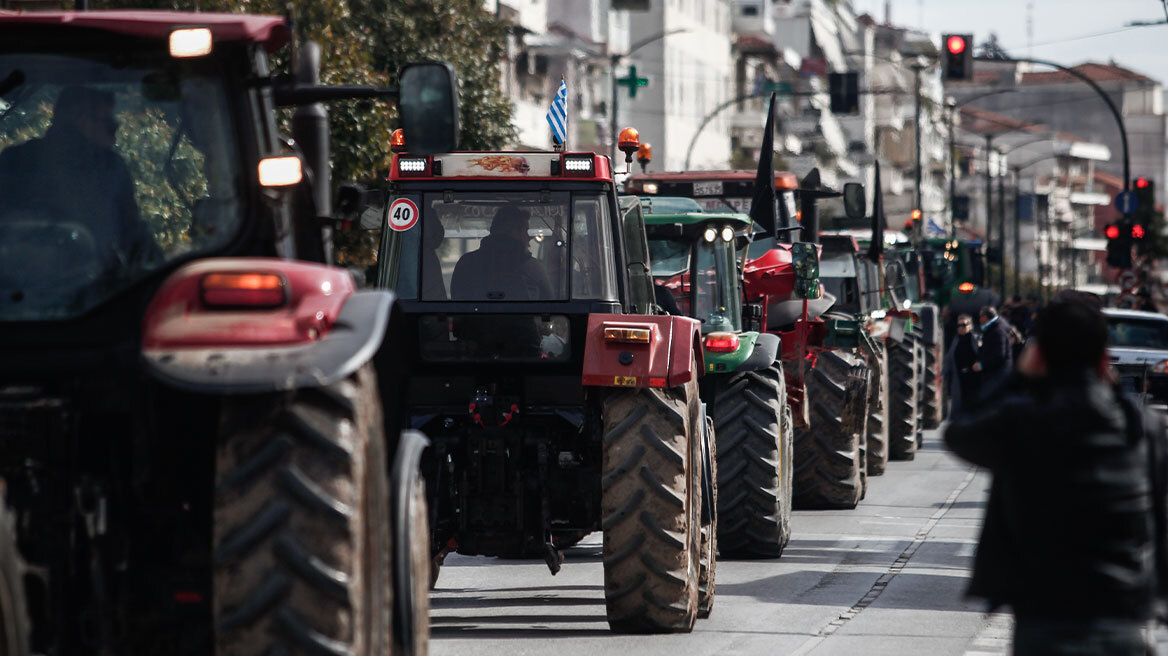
{"x":111,"y":166}
{"x":707,"y":290}
{"x":502,"y":246}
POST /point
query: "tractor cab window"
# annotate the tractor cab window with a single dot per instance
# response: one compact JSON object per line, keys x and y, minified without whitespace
{"x":839,"y":277}
{"x":670,"y":266}
{"x":716,"y":301}
{"x":492,"y":246}
{"x":112,"y":165}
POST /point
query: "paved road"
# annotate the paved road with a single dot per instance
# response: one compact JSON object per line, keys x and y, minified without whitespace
{"x":886,"y":578}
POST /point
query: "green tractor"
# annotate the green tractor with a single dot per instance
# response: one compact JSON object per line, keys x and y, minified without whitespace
{"x":696,"y":273}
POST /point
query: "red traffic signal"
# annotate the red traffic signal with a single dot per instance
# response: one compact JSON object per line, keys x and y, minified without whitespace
{"x":1112,"y":231}
{"x":1137,"y":231}
{"x":955,"y":44}
{"x":957,"y":60}
{"x":1141,"y":183}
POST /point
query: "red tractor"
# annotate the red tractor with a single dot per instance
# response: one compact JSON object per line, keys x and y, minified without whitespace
{"x":196,"y":456}
{"x":560,"y":400}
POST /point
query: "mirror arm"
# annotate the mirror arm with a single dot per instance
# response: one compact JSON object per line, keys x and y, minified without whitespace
{"x":294,"y":95}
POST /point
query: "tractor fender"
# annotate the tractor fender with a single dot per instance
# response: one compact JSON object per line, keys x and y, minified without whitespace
{"x":668,"y":359}
{"x":323,"y":332}
{"x":767,"y":350}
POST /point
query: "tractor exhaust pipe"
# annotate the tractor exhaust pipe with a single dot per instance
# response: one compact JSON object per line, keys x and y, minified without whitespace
{"x":310,"y":130}
{"x":809,"y":206}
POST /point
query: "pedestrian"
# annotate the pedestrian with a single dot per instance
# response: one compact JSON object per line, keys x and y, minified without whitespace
{"x":960,"y":376}
{"x":995,"y":357}
{"x":1072,"y":535}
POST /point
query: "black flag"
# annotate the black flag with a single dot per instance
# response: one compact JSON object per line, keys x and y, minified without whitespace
{"x":764,"y":204}
{"x":876,"y":250}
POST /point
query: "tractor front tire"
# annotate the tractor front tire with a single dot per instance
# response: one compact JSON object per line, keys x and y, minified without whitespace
{"x":904,"y":398}
{"x":828,"y":455}
{"x":301,"y":523}
{"x":709,"y":554}
{"x":877,"y":457}
{"x":651,"y":509}
{"x":754,"y":464}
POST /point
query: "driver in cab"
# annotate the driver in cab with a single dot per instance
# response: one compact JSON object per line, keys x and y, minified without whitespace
{"x":502,"y":268}
{"x":73,"y":175}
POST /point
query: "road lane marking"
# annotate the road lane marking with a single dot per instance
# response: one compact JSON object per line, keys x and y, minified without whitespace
{"x":890,"y":573}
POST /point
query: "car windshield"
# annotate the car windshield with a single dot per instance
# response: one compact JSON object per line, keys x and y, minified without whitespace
{"x":1138,"y":333}
{"x":111,"y":166}
{"x":493,"y":246}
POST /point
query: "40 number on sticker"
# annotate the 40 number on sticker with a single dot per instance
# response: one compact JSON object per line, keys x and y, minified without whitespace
{"x":403,"y":214}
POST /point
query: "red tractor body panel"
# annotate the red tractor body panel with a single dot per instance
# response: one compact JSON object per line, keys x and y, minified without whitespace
{"x":771,"y":274}
{"x":178,"y":318}
{"x":665,"y":361}
{"x":272,"y":31}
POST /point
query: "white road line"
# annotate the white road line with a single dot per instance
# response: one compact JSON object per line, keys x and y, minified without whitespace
{"x":890,"y":573}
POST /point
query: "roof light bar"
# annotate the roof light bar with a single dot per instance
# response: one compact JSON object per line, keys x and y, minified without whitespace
{"x":578,"y":165}
{"x":412,"y":165}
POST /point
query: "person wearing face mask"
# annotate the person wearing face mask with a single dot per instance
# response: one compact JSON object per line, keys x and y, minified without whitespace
{"x":960,"y":376}
{"x":995,"y":357}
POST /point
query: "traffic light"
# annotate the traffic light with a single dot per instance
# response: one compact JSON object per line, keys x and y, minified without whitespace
{"x":845,"y":92}
{"x":1145,"y":191}
{"x":1119,"y":243}
{"x":958,"y":51}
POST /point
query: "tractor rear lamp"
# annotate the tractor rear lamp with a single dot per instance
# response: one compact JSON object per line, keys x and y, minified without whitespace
{"x":280,"y":171}
{"x":243,"y":290}
{"x":965,"y":288}
{"x":412,"y":165}
{"x":628,"y":335}
{"x":581,"y":166}
{"x":722,"y":342}
{"x":190,"y":42}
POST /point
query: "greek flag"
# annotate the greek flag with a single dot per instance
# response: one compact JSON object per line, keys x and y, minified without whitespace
{"x":557,"y":115}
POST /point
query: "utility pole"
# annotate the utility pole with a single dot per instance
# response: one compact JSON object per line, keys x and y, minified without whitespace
{"x":1017,"y":232}
{"x":989,"y":144}
{"x":952,"y":106}
{"x":1002,"y":227}
{"x":917,"y":68}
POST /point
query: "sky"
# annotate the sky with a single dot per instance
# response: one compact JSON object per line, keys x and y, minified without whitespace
{"x":1065,"y":31}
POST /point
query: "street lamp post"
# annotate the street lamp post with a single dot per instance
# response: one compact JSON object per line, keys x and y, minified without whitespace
{"x":615,"y":60}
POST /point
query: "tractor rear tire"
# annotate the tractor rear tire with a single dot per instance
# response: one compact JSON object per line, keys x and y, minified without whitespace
{"x":709,"y":554}
{"x":301,"y":523}
{"x":14,"y":621}
{"x":904,"y":398}
{"x":828,"y":457}
{"x":651,"y":509}
{"x":411,"y":549}
{"x":755,"y":464}
{"x":934,"y":402}
{"x":877,"y":456}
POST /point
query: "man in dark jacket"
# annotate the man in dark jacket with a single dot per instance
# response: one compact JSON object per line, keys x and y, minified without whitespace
{"x":995,"y":357}
{"x":502,"y":269}
{"x":73,"y":175}
{"x":964,"y":382}
{"x":1068,"y":539}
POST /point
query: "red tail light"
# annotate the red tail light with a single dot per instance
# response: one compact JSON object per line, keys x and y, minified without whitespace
{"x":243,"y":290}
{"x":722,"y":342}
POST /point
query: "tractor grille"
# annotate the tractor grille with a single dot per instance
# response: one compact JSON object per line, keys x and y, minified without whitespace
{"x":30,"y":424}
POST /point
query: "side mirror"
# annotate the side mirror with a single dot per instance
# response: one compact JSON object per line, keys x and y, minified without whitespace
{"x":360,"y":206}
{"x":805,"y":260}
{"x":855,"y":203}
{"x":428,"y":105}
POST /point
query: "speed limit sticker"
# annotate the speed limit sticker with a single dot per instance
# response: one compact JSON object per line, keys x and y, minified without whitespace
{"x":403,"y":214}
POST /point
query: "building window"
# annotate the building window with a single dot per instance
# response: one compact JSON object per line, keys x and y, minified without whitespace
{"x":750,"y":10}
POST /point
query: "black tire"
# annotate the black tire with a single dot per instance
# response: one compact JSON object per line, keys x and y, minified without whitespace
{"x":411,"y":549}
{"x":828,"y":457}
{"x":302,"y":561}
{"x":877,"y":455}
{"x":922,"y":388}
{"x":754,"y":461}
{"x":651,"y":510}
{"x":709,"y":553}
{"x":14,"y":622}
{"x":903,"y":398}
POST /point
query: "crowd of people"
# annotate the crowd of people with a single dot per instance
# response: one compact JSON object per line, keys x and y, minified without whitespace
{"x":981,"y":349}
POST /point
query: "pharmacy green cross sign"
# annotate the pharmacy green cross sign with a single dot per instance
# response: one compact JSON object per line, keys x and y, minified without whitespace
{"x":632,"y":81}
